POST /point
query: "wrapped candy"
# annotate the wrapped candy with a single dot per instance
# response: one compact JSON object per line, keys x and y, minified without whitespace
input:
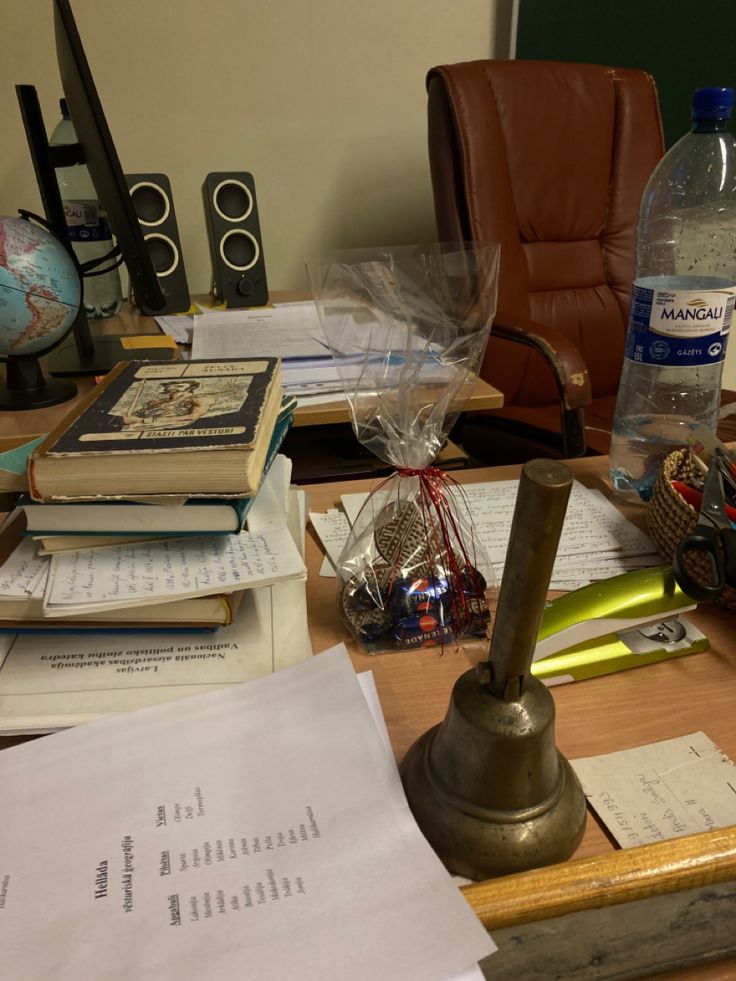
{"x":408,"y":328}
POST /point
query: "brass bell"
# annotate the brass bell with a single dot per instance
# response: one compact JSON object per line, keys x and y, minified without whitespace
{"x":488,"y":787}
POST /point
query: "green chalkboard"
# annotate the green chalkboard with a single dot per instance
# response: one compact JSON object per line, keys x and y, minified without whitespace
{"x":684,"y":44}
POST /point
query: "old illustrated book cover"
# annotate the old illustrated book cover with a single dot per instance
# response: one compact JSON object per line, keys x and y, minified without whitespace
{"x":194,"y":428}
{"x":168,"y":516}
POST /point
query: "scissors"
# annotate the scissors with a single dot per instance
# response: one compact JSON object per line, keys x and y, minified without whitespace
{"x":714,"y":537}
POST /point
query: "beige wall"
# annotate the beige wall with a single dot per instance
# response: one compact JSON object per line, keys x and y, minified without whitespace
{"x":322,"y":100}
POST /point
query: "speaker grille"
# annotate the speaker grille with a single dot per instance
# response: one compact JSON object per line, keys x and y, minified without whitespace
{"x":232,"y":200}
{"x":153,"y":204}
{"x":163,"y":252}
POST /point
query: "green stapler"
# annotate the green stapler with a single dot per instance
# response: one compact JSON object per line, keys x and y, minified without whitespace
{"x":600,"y":628}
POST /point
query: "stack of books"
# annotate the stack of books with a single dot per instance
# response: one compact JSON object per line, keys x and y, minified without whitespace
{"x":155,"y":452}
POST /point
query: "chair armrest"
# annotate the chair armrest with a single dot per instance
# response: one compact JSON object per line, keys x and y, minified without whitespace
{"x":561,"y":354}
{"x":569,"y":370}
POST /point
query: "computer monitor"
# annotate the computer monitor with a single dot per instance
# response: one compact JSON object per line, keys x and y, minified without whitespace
{"x":101,"y":157}
{"x":89,"y":353}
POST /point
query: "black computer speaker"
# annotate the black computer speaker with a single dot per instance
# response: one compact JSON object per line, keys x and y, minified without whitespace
{"x":154,"y":207}
{"x":238,"y":265}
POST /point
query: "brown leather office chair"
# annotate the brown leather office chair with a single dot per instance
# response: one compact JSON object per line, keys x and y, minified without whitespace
{"x":550,"y":159}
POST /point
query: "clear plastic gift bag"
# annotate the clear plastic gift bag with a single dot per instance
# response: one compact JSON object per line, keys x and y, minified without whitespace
{"x":408,"y":327}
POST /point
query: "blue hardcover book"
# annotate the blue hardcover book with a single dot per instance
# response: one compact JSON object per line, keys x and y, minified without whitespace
{"x":113,"y":519}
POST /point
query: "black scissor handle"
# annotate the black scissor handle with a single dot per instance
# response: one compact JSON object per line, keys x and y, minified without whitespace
{"x":706,"y":541}
{"x":728,"y":540}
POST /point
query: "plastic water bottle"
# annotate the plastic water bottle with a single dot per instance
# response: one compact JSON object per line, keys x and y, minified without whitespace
{"x":87,"y":225}
{"x":683,"y":298}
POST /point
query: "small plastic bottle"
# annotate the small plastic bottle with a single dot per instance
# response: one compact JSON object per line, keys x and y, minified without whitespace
{"x":87,"y":225}
{"x":683,"y":298}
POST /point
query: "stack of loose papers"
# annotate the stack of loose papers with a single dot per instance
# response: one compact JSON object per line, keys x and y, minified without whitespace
{"x":293,"y":332}
{"x":596,"y":542}
{"x":46,"y":684}
{"x":255,"y":832}
{"x":168,"y":570}
{"x":290,"y":331}
{"x":150,"y":572}
{"x":294,"y":324}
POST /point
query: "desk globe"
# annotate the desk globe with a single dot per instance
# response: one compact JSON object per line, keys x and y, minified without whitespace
{"x":40,"y":293}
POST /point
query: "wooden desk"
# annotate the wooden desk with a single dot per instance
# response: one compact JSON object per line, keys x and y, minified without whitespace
{"x":596,"y":716}
{"x":483,"y":396}
{"x":130,"y":321}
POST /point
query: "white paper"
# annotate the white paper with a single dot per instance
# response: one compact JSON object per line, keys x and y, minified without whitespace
{"x":45,"y":687}
{"x":663,"y":790}
{"x":257,"y":831}
{"x":302,"y":374}
{"x":286,"y":331}
{"x":46,"y":684}
{"x":370,"y":693}
{"x":593,"y":530}
{"x":589,"y":527}
{"x":21,"y":571}
{"x":319,"y":397}
{"x":218,"y":339}
{"x":270,"y":508}
{"x":6,"y":642}
{"x":179,"y":327}
{"x":296,"y":518}
{"x":327,"y":569}
{"x":173,"y":568}
{"x":332,"y":528}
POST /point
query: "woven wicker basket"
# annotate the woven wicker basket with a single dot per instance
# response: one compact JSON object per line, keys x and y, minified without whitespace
{"x":670,"y":518}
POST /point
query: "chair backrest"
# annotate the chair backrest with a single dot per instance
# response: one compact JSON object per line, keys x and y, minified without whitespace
{"x":550,"y":159}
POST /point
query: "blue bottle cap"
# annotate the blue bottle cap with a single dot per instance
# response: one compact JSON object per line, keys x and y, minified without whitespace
{"x":712,"y":103}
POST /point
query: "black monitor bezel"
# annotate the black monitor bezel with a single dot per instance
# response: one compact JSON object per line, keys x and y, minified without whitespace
{"x":101,"y":157}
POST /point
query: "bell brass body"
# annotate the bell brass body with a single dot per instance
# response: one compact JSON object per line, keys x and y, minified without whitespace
{"x":488,"y":787}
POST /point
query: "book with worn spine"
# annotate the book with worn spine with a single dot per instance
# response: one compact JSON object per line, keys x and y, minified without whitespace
{"x":149,"y":518}
{"x":23,"y":610}
{"x":20,"y":615}
{"x":197,"y":428}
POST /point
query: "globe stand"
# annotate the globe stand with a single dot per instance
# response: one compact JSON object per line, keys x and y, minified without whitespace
{"x":27,"y":388}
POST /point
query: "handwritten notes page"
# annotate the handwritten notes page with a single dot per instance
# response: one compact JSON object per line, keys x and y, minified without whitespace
{"x":256,"y":831}
{"x":597,"y":541}
{"x":173,"y":568}
{"x":663,"y":790}
{"x":333,"y":529}
{"x":46,"y":686}
{"x":22,"y":571}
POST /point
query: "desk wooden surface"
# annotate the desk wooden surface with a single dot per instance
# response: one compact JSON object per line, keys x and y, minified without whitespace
{"x":130,"y":321}
{"x":596,"y":716}
{"x":600,"y":715}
